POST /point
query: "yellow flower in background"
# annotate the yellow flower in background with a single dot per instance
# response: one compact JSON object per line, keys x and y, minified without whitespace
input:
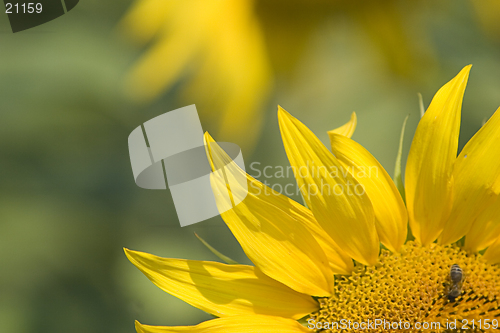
{"x":227,"y":53}
{"x":325,"y":262}
{"x":219,"y":45}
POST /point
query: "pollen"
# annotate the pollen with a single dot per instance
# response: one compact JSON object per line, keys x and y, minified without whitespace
{"x":411,"y":288}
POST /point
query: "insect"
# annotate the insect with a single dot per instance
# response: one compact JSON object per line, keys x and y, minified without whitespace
{"x":457,"y":279}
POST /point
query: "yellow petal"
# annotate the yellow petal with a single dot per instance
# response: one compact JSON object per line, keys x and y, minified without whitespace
{"x":492,"y":254}
{"x":164,"y":62}
{"x":221,"y":289}
{"x":430,"y":161}
{"x":269,"y":228}
{"x":152,"y":74}
{"x":236,"y":324}
{"x":346,"y":129}
{"x":330,"y":191}
{"x":141,"y":30}
{"x":476,"y":183}
{"x":232,"y":72}
{"x":485,"y":228}
{"x":340,"y":262}
{"x":391,"y":218}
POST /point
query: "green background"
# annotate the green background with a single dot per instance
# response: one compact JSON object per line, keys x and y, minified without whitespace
{"x":68,"y":201}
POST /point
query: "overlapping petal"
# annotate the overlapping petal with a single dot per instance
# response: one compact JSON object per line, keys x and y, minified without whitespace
{"x":430,"y":161}
{"x":492,"y":254}
{"x":221,"y":289}
{"x":476,"y":185}
{"x":485,"y":228}
{"x":329,"y":191}
{"x":222,"y":40}
{"x":340,"y":262}
{"x":347,"y":129}
{"x":391,"y":218}
{"x":269,"y":227}
{"x":237,"y":324}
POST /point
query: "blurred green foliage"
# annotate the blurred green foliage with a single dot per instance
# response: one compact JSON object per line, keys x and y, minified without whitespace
{"x":68,"y":202}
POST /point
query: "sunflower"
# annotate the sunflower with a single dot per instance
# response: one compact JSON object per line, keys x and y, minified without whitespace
{"x":348,"y":258}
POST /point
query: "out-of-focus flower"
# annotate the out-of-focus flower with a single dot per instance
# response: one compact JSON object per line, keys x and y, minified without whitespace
{"x":227,"y":53}
{"x":354,"y":207}
{"x":219,"y":45}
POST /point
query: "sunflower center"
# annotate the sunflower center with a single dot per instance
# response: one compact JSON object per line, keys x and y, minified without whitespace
{"x":413,"y":288}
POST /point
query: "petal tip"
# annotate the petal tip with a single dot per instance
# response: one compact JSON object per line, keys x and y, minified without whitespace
{"x":131,"y":255}
{"x":138,"y":327}
{"x":347,"y":129}
{"x":464,"y":73}
{"x":207,"y":137}
{"x":282,"y":112}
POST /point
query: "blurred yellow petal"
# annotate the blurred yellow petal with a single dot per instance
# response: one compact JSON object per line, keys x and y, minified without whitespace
{"x":347,"y":129}
{"x":153,"y":74}
{"x":216,"y":49}
{"x":329,"y":191}
{"x":476,"y":184}
{"x":166,"y":60}
{"x":430,"y":161}
{"x":492,"y":254}
{"x":237,"y":58}
{"x":269,"y":228}
{"x":221,"y":289}
{"x":236,"y":324}
{"x":141,"y":30}
{"x":391,"y":218}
